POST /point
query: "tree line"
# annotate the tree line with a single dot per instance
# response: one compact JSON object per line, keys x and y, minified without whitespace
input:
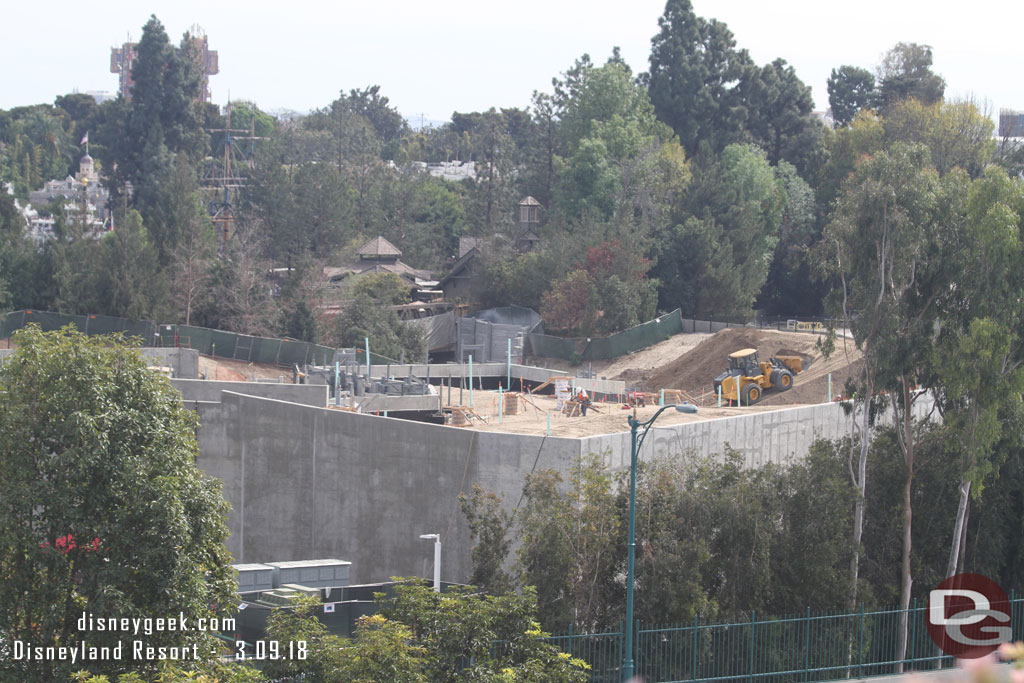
{"x":708,"y":175}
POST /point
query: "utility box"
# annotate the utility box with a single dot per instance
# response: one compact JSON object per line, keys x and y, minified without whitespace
{"x":313,"y":573}
{"x":253,"y":578}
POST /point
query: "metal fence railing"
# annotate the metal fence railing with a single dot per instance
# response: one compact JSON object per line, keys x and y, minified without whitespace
{"x":802,"y":648}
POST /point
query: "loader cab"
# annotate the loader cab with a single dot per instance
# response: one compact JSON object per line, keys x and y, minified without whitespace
{"x":744,"y":362}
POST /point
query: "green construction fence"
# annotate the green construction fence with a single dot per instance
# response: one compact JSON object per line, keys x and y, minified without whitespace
{"x":216,"y":343}
{"x":605,"y":348}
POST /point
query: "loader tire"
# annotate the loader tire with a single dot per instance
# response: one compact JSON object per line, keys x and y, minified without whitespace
{"x":782,"y":380}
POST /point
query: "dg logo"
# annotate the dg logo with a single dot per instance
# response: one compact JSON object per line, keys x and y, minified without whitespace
{"x":969,"y":616}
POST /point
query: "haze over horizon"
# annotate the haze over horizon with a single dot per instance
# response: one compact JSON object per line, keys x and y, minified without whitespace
{"x":469,"y":57}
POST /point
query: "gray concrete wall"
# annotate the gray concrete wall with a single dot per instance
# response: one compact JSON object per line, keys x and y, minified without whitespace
{"x":776,"y":436}
{"x":527,"y":372}
{"x":210,"y":390}
{"x":306,"y":483}
{"x":185,"y":362}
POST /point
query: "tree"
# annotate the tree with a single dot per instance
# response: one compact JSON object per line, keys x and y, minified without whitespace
{"x":957,"y":134}
{"x":459,"y":628}
{"x":694,"y":66}
{"x":142,"y":137}
{"x":781,"y":119}
{"x":104,"y":509}
{"x":715,"y":259}
{"x":905,"y":72}
{"x":978,"y":356}
{"x":131,"y":284}
{"x":890,"y":230}
{"x":571,"y":303}
{"x":489,"y":527}
{"x":367,"y":316}
{"x":192,"y":263}
{"x":850,"y":89}
{"x":568,"y":546}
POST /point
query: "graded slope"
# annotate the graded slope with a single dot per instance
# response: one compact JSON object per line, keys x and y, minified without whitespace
{"x":694,"y":371}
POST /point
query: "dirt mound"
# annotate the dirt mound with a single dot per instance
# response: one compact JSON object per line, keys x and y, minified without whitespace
{"x":695,"y":370}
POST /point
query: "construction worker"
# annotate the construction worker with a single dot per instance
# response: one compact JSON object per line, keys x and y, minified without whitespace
{"x":584,"y":402}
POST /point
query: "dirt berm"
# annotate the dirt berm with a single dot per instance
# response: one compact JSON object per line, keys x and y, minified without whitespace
{"x":695,"y":370}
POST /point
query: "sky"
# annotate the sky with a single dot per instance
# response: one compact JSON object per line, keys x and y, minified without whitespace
{"x":433,"y":58}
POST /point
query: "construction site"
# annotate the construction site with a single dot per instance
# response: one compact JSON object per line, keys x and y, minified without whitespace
{"x":323,"y":454}
{"x":489,"y":397}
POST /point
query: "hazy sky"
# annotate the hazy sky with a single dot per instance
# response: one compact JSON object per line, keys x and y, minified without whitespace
{"x":433,"y":58}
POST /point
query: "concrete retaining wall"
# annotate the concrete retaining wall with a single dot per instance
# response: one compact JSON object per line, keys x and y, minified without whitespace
{"x":184,"y":362}
{"x":529,"y":373}
{"x":210,"y":390}
{"x":308,"y":482}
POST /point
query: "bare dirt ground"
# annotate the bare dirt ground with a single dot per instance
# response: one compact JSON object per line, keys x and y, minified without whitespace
{"x":694,"y":372}
{"x":689,"y":363}
{"x":636,"y":364}
{"x":240,"y":370}
{"x":609,"y":418}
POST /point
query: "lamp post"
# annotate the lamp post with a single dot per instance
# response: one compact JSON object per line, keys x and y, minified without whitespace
{"x":637,"y":442}
{"x":436,"y":538}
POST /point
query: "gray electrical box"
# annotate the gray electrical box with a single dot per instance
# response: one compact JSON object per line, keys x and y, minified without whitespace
{"x":254,"y":577}
{"x":313,"y":573}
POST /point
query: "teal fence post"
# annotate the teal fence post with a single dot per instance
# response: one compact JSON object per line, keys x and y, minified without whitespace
{"x":913,"y":637}
{"x":860,"y":651}
{"x":337,"y":386}
{"x":719,"y":395}
{"x":661,"y":401}
{"x":830,"y":387}
{"x":501,"y":406}
{"x":549,"y":423}
{"x":470,"y":380}
{"x":807,"y":645}
{"x":753,"y":615}
{"x":696,"y":629}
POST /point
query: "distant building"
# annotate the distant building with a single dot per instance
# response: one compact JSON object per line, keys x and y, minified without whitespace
{"x":453,"y":171}
{"x":1011,"y":123}
{"x":380,"y":256}
{"x":83,"y":189}
{"x":208,"y":64}
{"x":529,"y":220}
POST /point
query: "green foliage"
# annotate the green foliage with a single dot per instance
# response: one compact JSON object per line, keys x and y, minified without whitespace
{"x":571,"y":304}
{"x":716,"y":261}
{"x":519,"y":280}
{"x":715,"y":539}
{"x":367,"y":315}
{"x":957,"y":134}
{"x":105,"y":510}
{"x":467,"y":636}
{"x":568,"y":540}
{"x":142,"y":138}
{"x":906,"y":72}
{"x":489,"y":526}
{"x":850,"y":89}
{"x":694,"y":64}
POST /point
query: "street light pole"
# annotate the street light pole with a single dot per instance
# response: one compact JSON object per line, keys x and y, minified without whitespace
{"x":437,"y":558}
{"x":636,"y":443}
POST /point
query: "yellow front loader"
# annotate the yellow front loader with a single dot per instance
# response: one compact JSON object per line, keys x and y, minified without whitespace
{"x":747,"y":378}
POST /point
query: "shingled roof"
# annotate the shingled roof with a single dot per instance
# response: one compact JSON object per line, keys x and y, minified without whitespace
{"x":378,"y":248}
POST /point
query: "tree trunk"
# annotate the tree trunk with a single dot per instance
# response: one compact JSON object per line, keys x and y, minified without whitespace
{"x":858,"y":511}
{"x":958,"y":527}
{"x":906,"y":439}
